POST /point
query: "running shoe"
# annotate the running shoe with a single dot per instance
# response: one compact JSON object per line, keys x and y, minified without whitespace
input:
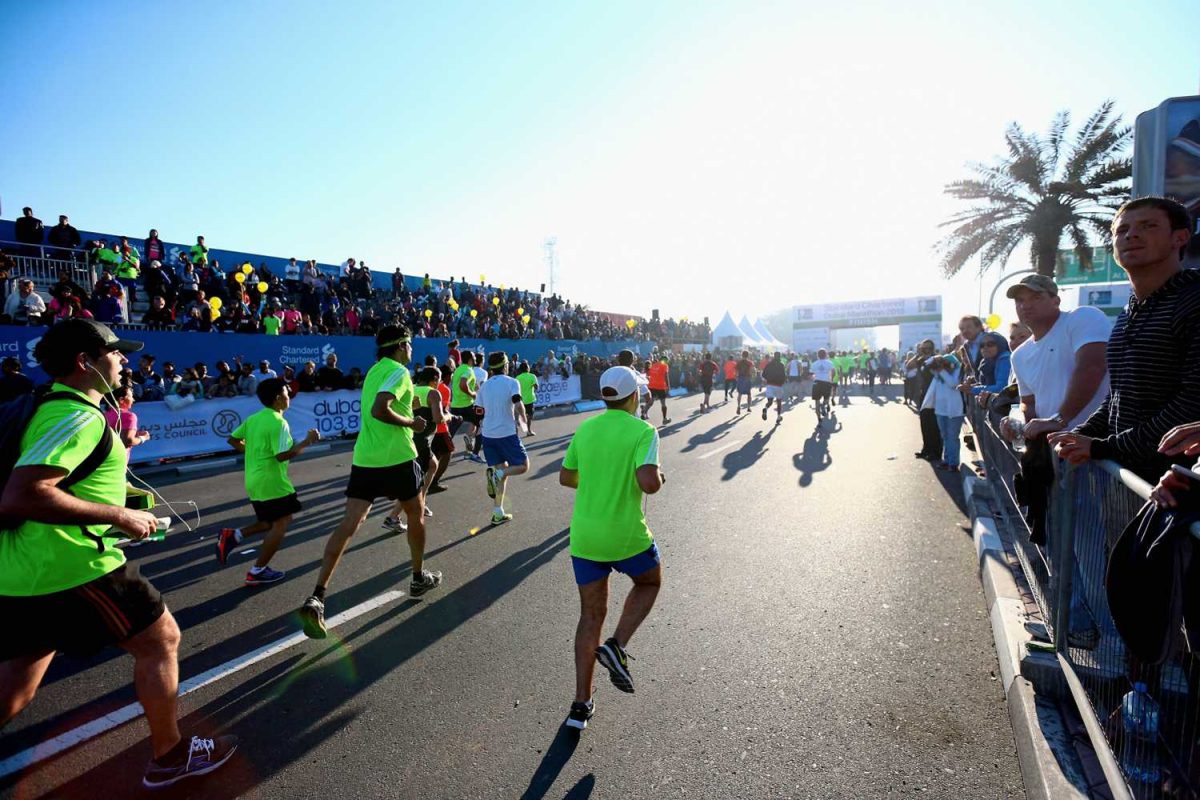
{"x":491,"y":482}
{"x":265,"y":577}
{"x":500,"y":519}
{"x":614,"y":659}
{"x":312,"y":614}
{"x":395,"y":524}
{"x":428,"y":513}
{"x":204,"y":756}
{"x":475,"y":457}
{"x":764,"y":415}
{"x":580,"y":714}
{"x":667,"y":421}
{"x":226,"y":541}
{"x":468,"y":445}
{"x":423,"y":582}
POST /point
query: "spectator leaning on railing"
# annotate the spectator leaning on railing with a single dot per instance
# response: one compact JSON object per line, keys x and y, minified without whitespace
{"x":1060,"y":370}
{"x":1154,"y":348}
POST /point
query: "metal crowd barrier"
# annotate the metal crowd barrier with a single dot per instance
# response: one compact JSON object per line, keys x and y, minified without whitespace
{"x":1143,"y":719}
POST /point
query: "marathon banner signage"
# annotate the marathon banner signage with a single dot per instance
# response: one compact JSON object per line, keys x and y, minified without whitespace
{"x":202,"y":427}
{"x":557,"y":390}
{"x":868,"y":313}
{"x":187,"y":348}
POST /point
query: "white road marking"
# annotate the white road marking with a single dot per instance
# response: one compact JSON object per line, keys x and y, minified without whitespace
{"x":716,"y":450}
{"x":90,"y":730}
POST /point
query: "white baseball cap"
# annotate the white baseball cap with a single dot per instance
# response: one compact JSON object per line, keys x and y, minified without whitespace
{"x":617,"y":383}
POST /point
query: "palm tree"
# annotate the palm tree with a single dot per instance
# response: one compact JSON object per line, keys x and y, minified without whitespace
{"x":1039,"y":191}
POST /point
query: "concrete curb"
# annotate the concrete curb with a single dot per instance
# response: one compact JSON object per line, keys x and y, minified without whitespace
{"x":1040,"y":769}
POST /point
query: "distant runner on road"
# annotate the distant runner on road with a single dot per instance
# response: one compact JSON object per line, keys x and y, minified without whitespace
{"x":823,"y":382}
{"x":774,"y":374}
{"x":745,"y":376}
{"x":660,"y":385}
{"x":612,"y":462}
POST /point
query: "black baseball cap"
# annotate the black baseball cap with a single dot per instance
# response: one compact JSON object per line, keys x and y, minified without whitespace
{"x":85,"y":334}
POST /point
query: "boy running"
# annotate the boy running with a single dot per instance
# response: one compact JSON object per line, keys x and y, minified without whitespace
{"x":500,"y":399}
{"x":612,"y":462}
{"x":384,"y":465}
{"x":265,"y":440}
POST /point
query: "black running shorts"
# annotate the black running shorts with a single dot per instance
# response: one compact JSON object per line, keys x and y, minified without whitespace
{"x":468,"y":413}
{"x":397,"y":482}
{"x":276,"y":508}
{"x":83,"y":620}
{"x":822,"y":390}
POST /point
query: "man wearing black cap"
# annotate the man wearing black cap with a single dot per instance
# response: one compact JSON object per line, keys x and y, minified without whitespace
{"x":64,"y":585}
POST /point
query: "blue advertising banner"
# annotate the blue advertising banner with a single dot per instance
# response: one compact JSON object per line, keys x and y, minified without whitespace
{"x":185,"y":349}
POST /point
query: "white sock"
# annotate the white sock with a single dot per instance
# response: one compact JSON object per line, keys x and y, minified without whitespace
{"x":256,"y":570}
{"x":237,"y":536}
{"x":499,"y":473}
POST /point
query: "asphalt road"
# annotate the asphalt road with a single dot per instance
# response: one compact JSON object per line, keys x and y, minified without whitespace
{"x":821,"y":633}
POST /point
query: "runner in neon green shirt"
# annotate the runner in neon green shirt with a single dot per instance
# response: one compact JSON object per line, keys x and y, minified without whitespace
{"x":463,"y":387}
{"x":384,"y":465}
{"x":271,"y":325}
{"x":529,"y":387}
{"x":66,"y":587}
{"x":265,"y":440}
{"x":612,"y":462}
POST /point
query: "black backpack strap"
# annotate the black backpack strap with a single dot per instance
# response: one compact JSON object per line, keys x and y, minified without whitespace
{"x":100,"y":452}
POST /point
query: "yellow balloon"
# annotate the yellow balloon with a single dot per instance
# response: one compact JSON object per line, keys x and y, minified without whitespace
{"x":526,"y":319}
{"x":262,"y":287}
{"x":216,"y":312}
{"x":520,"y":312}
{"x":214,"y":303}
{"x":495,"y":301}
{"x":482,"y":278}
{"x":247,"y":269}
{"x":630,"y":324}
{"x":993,"y":321}
{"x":240,"y":277}
{"x":428,"y":313}
{"x":474,"y":313}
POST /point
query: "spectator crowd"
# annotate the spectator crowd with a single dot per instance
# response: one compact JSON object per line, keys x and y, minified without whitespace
{"x":190,"y":290}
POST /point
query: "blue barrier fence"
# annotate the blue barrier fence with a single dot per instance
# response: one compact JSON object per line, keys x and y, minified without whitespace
{"x":188,"y":348}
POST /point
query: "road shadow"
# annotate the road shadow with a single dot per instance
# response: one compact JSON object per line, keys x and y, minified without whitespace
{"x":748,"y":454}
{"x":311,"y":701}
{"x":553,"y":762}
{"x":713,"y":434}
{"x":952,"y":482}
{"x":814,"y":457}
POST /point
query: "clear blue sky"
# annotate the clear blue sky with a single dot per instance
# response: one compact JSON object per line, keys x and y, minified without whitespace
{"x":688,"y":156}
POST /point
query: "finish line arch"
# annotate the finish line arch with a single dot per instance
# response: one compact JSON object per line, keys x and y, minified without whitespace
{"x":917,"y":317}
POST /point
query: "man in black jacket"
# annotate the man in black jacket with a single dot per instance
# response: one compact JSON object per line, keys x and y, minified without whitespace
{"x":30,"y":232}
{"x":1154,"y":348}
{"x":64,"y":238}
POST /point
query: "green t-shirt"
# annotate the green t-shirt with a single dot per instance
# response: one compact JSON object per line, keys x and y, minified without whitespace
{"x":459,"y":398}
{"x":266,"y":434}
{"x":271,"y":324}
{"x":40,"y":558}
{"x":380,"y":444}
{"x":529,"y":384}
{"x":607,"y":523}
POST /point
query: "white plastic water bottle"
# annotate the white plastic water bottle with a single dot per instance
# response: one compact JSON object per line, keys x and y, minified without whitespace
{"x":1139,"y":746}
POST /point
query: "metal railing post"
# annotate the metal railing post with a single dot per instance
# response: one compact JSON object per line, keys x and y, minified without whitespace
{"x":1064,"y":556}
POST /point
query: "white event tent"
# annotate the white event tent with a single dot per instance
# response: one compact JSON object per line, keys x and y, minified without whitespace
{"x":727,"y":335}
{"x":772,"y":343}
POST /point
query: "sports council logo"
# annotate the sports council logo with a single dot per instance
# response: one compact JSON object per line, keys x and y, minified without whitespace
{"x":225,"y":422}
{"x":30,"y":361}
